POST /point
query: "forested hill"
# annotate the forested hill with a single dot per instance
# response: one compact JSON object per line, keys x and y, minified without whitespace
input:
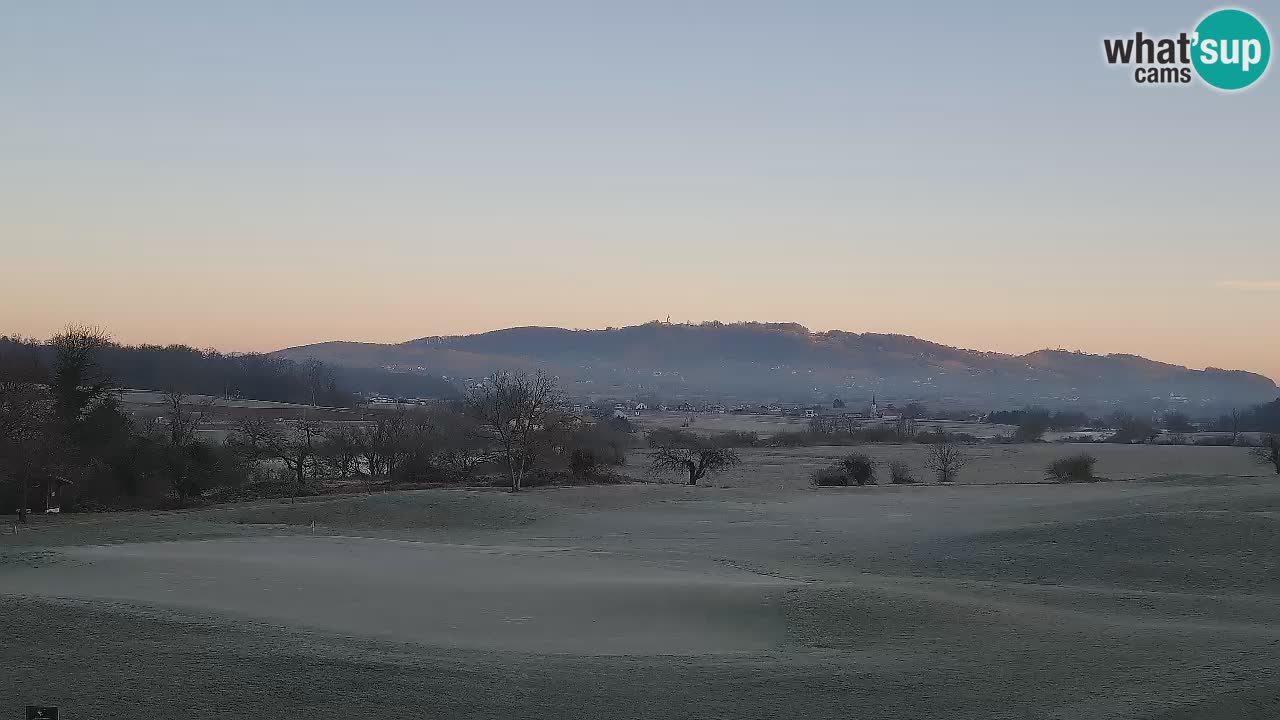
{"x":789,"y":361}
{"x":209,"y":372}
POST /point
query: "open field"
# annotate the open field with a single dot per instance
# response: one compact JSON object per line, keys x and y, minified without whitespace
{"x":767,"y":425}
{"x":790,"y":468}
{"x":1154,"y":598}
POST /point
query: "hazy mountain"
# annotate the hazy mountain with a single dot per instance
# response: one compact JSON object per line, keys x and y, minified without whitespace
{"x":758,"y":361}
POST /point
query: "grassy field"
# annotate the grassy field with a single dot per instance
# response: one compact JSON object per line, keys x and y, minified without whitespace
{"x":791,"y":468}
{"x":759,"y":597}
{"x":767,"y":425}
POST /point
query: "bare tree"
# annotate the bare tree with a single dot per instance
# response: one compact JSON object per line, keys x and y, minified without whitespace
{"x":516,"y":407}
{"x":1268,"y":452}
{"x":184,"y":416}
{"x":31,"y":443}
{"x":1130,"y":427}
{"x":34,"y":445}
{"x":79,"y":381}
{"x":695,"y":458}
{"x":341,"y":449}
{"x":318,"y":378}
{"x":946,"y":457}
{"x":183,"y":455}
{"x":460,"y":444}
{"x":1235,"y":426}
{"x":295,"y":444}
{"x":381,"y":441}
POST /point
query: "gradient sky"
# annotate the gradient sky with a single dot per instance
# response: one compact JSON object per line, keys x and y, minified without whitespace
{"x":252,"y":175}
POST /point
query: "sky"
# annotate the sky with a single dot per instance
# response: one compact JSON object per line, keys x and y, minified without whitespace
{"x":251,"y":176}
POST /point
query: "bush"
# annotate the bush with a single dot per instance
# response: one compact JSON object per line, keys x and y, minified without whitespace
{"x":789,"y":438}
{"x":900,"y":473}
{"x":1073,"y":468}
{"x":830,"y":477}
{"x":853,"y":469}
{"x":736,"y":438}
{"x":619,"y":424}
{"x":1215,"y":441}
{"x":604,"y":443}
{"x":1035,"y":423}
{"x":806,"y":438}
{"x":938,"y":435}
{"x":1268,"y":451}
{"x":860,"y":468}
{"x":809,"y":438}
{"x":663,"y":437}
{"x":881,"y":434}
{"x":583,"y":463}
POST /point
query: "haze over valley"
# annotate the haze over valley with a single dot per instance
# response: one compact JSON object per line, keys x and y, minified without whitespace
{"x":770,"y":362}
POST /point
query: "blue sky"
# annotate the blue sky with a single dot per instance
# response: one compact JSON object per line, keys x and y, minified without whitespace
{"x":254,"y":175}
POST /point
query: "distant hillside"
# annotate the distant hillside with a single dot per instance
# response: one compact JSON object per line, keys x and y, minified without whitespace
{"x":249,"y":376}
{"x":758,"y":361}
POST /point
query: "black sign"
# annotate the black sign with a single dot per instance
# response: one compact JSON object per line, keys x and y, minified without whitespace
{"x":42,"y":713}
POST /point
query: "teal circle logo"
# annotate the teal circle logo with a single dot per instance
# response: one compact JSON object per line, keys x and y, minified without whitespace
{"x":1232,"y":49}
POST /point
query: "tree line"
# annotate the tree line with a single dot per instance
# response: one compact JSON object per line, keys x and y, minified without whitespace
{"x":66,"y":442}
{"x":250,"y":375}
{"x":1263,"y":418}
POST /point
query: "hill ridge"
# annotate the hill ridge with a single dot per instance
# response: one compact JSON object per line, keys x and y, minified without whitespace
{"x":787,"y":360}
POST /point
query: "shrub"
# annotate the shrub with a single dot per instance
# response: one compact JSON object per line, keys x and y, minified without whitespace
{"x":805,"y":438}
{"x":1035,"y":423}
{"x":583,"y":463}
{"x":1268,"y":451}
{"x":860,"y":468}
{"x":830,"y":477}
{"x":736,"y":438}
{"x":938,"y":435}
{"x":1215,"y":441}
{"x":620,"y":424}
{"x":878,"y":434}
{"x":662,"y":437}
{"x":789,"y":438}
{"x":1073,"y":468}
{"x":853,"y":469}
{"x":900,"y":473}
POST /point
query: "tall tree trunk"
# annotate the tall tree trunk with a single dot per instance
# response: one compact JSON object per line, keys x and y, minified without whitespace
{"x":300,"y":474}
{"x":693,"y":472}
{"x":25,"y":500}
